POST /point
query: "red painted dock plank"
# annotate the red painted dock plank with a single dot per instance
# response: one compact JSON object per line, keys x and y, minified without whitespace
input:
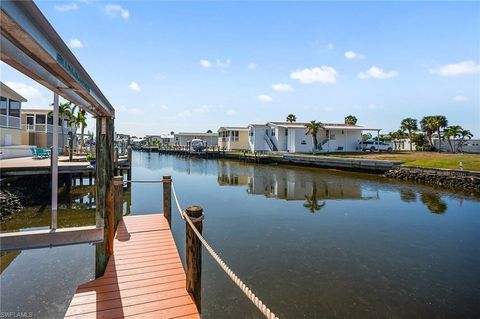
{"x":143,"y":279}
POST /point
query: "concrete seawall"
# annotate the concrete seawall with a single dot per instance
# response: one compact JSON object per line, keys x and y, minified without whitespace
{"x":340,"y":163}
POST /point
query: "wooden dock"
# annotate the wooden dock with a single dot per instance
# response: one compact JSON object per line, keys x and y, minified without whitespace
{"x":144,"y":277}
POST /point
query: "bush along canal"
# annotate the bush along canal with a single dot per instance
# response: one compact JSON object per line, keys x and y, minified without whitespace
{"x":311,"y":242}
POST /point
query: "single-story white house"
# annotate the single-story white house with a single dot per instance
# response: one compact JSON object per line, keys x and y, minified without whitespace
{"x":293,"y":138}
{"x":183,"y":138}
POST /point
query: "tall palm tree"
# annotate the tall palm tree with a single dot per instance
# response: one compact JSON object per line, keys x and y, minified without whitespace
{"x":351,"y":119}
{"x":81,"y":120}
{"x":409,"y":125}
{"x":312,"y":129}
{"x":291,"y":118}
{"x":428,"y":125}
{"x":464,"y":134}
{"x":64,"y":112}
{"x":440,"y":122}
{"x":452,"y":132}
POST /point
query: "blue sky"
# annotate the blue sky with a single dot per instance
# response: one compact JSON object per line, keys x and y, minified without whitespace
{"x":186,"y":66}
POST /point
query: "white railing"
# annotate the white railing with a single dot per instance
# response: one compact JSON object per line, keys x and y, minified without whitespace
{"x":40,"y":127}
{"x":3,"y":120}
{"x":13,"y":122}
{"x":9,"y":121}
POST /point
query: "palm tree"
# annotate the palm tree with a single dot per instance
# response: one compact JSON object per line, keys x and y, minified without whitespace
{"x":440,"y":122}
{"x":428,"y":125}
{"x":351,"y":119}
{"x":81,"y":120}
{"x":464,"y":134}
{"x":312,"y":202}
{"x":312,"y":129}
{"x":452,"y":132}
{"x":64,"y":112}
{"x":409,"y":125}
{"x":291,"y":118}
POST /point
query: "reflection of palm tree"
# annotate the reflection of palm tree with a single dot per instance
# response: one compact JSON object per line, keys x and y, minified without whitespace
{"x":312,"y":202}
{"x":407,"y":195}
{"x":433,"y":202}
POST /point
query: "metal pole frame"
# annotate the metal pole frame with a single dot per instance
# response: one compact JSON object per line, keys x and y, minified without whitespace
{"x":54,"y":161}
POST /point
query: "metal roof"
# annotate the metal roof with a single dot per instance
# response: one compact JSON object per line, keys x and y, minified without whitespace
{"x":6,"y":90}
{"x":31,"y":45}
{"x":233,"y":128}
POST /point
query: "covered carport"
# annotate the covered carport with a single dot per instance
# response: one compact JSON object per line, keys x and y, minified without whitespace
{"x":31,"y":45}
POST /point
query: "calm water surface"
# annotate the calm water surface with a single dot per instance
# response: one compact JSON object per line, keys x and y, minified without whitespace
{"x":311,"y":243}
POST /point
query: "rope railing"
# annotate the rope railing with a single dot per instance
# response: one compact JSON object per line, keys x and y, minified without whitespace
{"x":246,"y":291}
{"x":143,"y":181}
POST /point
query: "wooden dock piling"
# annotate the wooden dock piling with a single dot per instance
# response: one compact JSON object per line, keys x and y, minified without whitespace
{"x":167,"y":199}
{"x":193,"y":253}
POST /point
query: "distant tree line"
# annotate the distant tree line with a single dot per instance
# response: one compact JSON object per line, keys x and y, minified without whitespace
{"x":432,"y":126}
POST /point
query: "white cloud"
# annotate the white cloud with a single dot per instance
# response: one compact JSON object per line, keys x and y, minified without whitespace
{"x":160,"y":76}
{"x":330,"y":46}
{"x":66,"y":7}
{"x":459,"y":68}
{"x":114,"y":10}
{"x":231,"y":112}
{"x":282,"y":87}
{"x":223,"y":64}
{"x":329,"y":108}
{"x":460,"y":98}
{"x":136,"y":111}
{"x":205,"y":63}
{"x":203,"y":109}
{"x":265,"y":98}
{"x":25,"y":90}
{"x":372,"y":106}
{"x":323,"y":74}
{"x":252,"y":66}
{"x":163,"y":107}
{"x":352,"y":55}
{"x":376,"y":73}
{"x":134,"y":87}
{"x":184,"y":114}
{"x":75,"y":43}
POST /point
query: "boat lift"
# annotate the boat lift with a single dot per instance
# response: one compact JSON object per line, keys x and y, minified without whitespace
{"x":30,"y":44}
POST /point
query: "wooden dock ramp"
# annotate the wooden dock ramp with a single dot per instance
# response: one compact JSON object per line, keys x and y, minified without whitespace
{"x":144,"y":278}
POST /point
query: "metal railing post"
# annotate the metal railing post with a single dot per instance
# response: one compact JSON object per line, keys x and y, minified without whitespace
{"x":167,"y":199}
{"x":193,"y":253}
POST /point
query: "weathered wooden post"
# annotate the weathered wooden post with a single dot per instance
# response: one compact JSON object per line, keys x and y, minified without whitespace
{"x":129,"y":159}
{"x":104,"y":192}
{"x":194,"y":255}
{"x":167,"y":199}
{"x":118,"y":187}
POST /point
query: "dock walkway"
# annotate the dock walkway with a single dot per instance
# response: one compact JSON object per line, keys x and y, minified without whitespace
{"x":144,"y":278}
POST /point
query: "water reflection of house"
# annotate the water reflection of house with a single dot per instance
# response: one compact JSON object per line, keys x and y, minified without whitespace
{"x":229,"y":174}
{"x":280,"y":183}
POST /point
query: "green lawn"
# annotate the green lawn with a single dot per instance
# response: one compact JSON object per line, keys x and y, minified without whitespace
{"x":423,"y":159}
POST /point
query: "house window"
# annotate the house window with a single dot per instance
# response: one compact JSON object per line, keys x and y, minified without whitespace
{"x":50,"y":120}
{"x":286,"y":132}
{"x":40,"y":118}
{"x":303,"y":142}
{"x":342,"y":132}
{"x":30,"y":119}
{"x":14,"y":108}
{"x":273,"y":131}
{"x":3,"y":105}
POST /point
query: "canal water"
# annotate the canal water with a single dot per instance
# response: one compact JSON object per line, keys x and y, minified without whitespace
{"x":311,"y":243}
